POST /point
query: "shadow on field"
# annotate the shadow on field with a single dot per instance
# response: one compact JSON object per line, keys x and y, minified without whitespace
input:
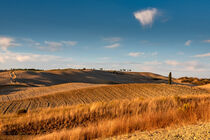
{"x":48,"y":78}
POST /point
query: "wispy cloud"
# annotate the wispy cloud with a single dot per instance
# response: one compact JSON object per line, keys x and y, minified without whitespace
{"x":147,"y":16}
{"x":6,"y":42}
{"x":8,"y":57}
{"x":112,"y":46}
{"x":172,"y":62}
{"x":203,"y":55}
{"x":55,"y":46}
{"x":152,"y":62}
{"x":135,"y":54}
{"x":188,"y":42}
{"x":207,"y":41}
{"x":30,"y":42}
{"x":28,"y":60}
{"x":112,"y":39}
{"x":51,"y":46}
{"x":69,"y":43}
{"x":186,"y":66}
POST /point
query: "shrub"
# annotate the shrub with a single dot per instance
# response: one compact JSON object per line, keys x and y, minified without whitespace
{"x":112,"y":82}
{"x":22,"y":111}
{"x":156,"y":79}
{"x":117,"y":72}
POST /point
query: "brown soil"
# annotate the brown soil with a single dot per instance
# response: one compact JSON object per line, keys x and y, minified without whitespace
{"x":189,"y":132}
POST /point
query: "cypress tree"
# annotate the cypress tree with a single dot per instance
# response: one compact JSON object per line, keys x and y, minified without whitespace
{"x":170,"y":78}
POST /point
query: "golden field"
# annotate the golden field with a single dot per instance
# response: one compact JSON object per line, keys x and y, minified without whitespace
{"x":105,"y":119}
{"x":91,"y":104}
{"x":90,"y":94}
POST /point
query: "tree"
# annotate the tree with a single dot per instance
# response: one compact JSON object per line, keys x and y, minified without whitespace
{"x":170,"y":78}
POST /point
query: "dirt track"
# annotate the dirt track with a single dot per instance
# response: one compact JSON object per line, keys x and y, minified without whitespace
{"x":191,"y":132}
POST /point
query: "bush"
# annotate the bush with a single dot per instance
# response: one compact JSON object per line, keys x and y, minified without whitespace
{"x":22,"y":111}
{"x":156,"y":79}
{"x":117,"y":72}
{"x":112,"y":82}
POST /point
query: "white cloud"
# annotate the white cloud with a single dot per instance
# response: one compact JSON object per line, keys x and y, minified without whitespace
{"x":207,"y":41}
{"x":113,"y":46}
{"x":147,"y":16}
{"x":192,"y":66}
{"x":22,"y":58}
{"x":6,"y":42}
{"x":172,"y":62}
{"x":188,"y":42}
{"x":12,"y":57}
{"x":186,"y":66}
{"x":135,"y":54}
{"x":112,"y":39}
{"x":203,"y":55}
{"x":1,"y":60}
{"x":69,"y":43}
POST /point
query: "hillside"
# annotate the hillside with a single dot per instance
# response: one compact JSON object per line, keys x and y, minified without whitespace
{"x":207,"y":86}
{"x":89,"y":94}
{"x":106,"y":119}
{"x":194,"y":80}
{"x":85,"y":104}
{"x":21,"y":79}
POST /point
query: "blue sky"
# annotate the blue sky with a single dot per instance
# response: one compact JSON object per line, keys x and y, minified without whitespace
{"x":147,"y":35}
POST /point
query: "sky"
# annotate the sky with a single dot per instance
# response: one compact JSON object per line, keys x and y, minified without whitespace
{"x":142,"y":35}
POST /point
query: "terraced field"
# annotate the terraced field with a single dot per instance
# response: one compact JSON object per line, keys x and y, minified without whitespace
{"x":4,"y":78}
{"x":89,"y":93}
{"x":28,"y":92}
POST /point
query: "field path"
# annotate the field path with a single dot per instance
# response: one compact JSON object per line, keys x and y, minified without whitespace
{"x":12,"y":76}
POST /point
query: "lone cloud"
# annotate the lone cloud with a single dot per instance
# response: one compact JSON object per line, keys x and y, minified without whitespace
{"x":146,"y":17}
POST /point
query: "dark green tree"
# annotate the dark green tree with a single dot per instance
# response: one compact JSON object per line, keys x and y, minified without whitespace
{"x":170,"y":78}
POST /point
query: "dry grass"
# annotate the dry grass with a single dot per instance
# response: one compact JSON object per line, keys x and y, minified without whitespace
{"x":109,"y":118}
{"x":89,"y":93}
{"x":194,"y":80}
{"x":205,"y":87}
